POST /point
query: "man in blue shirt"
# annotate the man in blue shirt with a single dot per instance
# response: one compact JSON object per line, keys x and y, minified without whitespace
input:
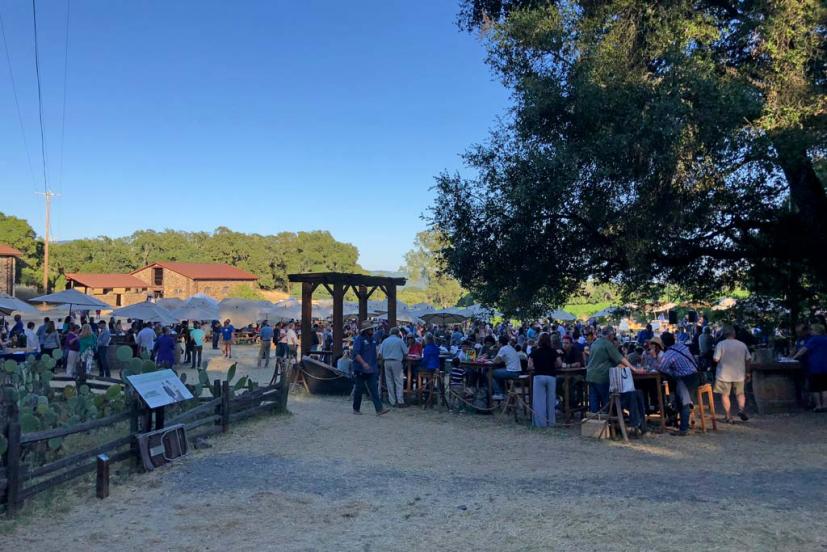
{"x":366,"y":369}
{"x":645,"y":335}
{"x":266,"y":337}
{"x":227,"y":336}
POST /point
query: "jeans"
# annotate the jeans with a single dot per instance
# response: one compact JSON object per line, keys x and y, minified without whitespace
{"x":683,"y":398}
{"x":633,"y":402}
{"x":544,"y":400}
{"x":103,"y":362}
{"x":215,"y":336}
{"x":502,"y":374}
{"x":360,"y":381}
{"x":394,"y":382}
{"x":264,"y":353}
{"x":196,"y":356}
{"x":598,"y":396}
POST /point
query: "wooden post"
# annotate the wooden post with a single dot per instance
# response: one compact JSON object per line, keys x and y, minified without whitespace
{"x":307,"y":317}
{"x":390,"y":292}
{"x":338,"y":321}
{"x":13,"y":467}
{"x":225,"y":406}
{"x":134,"y":427}
{"x":159,"y":417}
{"x":102,"y":480}
{"x":362,"y":294}
{"x":216,"y":387}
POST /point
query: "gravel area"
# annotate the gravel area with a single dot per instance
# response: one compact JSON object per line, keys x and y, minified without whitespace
{"x":324,"y":479}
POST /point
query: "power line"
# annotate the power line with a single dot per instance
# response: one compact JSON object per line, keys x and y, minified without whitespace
{"x":63,"y":112}
{"x":16,"y":101}
{"x":39,"y":97}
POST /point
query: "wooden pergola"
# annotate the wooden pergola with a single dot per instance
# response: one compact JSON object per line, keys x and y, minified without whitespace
{"x":337,"y":284}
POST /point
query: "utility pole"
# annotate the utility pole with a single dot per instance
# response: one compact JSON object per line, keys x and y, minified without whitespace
{"x":47,"y":195}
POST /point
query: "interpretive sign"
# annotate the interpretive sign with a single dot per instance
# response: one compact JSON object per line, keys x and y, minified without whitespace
{"x":160,"y":388}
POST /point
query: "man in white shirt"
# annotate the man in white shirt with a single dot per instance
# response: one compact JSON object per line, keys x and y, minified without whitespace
{"x":289,"y":338}
{"x":146,"y":339}
{"x":508,"y":356}
{"x":32,"y":341}
{"x":733,"y":357}
{"x":393,"y":352}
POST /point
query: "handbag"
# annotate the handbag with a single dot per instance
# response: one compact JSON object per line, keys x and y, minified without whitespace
{"x":621,"y":380}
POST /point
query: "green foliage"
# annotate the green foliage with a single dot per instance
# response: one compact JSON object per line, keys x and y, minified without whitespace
{"x":124,"y":353}
{"x":271,"y":258}
{"x":246,"y":292}
{"x":651,"y":143}
{"x":17,"y":233}
{"x":427,"y":280}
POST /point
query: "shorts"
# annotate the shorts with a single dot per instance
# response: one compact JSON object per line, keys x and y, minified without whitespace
{"x":726,"y":387}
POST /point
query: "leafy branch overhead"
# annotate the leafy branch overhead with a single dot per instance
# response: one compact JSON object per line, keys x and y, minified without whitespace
{"x":650,"y":143}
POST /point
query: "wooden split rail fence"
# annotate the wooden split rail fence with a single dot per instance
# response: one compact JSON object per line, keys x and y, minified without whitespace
{"x":20,"y":481}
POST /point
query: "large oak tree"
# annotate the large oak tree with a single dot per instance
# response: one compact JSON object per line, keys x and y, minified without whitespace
{"x":650,"y":142}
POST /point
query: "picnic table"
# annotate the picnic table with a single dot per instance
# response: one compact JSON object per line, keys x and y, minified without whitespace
{"x":13,"y":354}
{"x":246,"y":339}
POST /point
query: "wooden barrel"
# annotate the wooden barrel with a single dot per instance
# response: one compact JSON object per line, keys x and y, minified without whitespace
{"x":776,"y":386}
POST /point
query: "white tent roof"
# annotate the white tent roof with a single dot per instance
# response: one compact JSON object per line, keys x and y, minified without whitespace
{"x":14,"y":304}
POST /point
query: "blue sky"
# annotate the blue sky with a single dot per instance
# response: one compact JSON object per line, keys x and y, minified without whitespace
{"x":262,"y":116}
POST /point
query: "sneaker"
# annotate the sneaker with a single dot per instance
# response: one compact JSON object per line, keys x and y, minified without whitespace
{"x":743,"y":416}
{"x":357,"y":412}
{"x":680,"y":434}
{"x":383,"y":412}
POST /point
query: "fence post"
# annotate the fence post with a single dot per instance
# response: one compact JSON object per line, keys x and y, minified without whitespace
{"x":13,"y":467}
{"x":225,"y":406}
{"x":134,"y":419}
{"x":284,"y":389}
{"x":216,"y":393}
{"x":102,"y":480}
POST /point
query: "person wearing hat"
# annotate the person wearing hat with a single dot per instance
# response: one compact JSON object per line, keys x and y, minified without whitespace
{"x":366,"y":369}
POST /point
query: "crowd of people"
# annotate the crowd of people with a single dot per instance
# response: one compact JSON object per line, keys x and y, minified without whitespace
{"x":687,"y":354}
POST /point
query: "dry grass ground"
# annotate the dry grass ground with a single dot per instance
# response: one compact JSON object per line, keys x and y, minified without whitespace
{"x":323,"y":479}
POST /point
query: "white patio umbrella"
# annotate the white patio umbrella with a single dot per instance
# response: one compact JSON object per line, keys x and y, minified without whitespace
{"x":74,"y":299}
{"x":561,"y":315}
{"x":194,"y":312}
{"x":608,"y":312}
{"x":403,"y":314}
{"x":443,"y":317}
{"x":285,"y":311}
{"x":13,"y":304}
{"x":243,"y":311}
{"x":146,"y":312}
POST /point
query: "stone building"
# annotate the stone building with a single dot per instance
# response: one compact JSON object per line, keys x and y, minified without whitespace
{"x":119,"y":290}
{"x":8,"y":268}
{"x":182,"y":280}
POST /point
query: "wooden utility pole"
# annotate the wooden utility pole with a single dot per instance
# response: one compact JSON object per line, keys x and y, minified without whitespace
{"x":47,"y":195}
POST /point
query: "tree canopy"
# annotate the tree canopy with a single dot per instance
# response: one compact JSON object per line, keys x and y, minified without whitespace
{"x":649,"y":143}
{"x":427,"y":280}
{"x":271,"y":258}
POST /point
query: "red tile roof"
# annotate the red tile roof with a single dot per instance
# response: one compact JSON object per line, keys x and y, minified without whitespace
{"x":205,"y":271}
{"x":98,"y":281}
{"x":9,"y":251}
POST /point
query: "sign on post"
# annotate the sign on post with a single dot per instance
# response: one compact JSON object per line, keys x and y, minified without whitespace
{"x":160,"y":388}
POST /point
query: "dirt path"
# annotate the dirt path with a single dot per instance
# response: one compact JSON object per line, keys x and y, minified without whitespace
{"x":323,"y":479}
